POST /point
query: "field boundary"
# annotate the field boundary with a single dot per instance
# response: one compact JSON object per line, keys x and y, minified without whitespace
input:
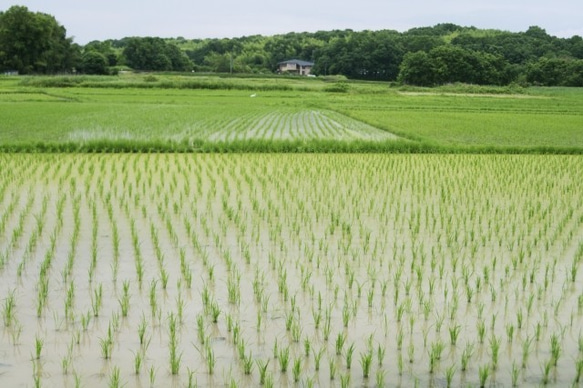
{"x":399,"y":146}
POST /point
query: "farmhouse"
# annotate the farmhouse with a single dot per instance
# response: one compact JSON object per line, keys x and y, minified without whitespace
{"x":295,"y":66}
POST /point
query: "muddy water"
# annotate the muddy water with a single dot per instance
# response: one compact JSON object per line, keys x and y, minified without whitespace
{"x":394,"y":254}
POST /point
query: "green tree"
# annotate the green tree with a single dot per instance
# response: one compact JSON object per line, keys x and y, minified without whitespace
{"x":556,"y":72}
{"x":93,"y":62}
{"x":448,"y":64}
{"x":34,"y":43}
{"x":154,"y":54}
{"x":417,"y":69}
{"x":219,"y":63}
{"x":104,"y":48}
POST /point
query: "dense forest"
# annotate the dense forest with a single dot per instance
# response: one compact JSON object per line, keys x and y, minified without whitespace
{"x":446,"y":53}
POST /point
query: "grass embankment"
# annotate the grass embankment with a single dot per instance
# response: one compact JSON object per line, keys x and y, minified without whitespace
{"x":202,"y":113}
{"x":274,"y":146}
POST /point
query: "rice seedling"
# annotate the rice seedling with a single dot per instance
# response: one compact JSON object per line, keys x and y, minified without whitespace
{"x":66,"y":364}
{"x":296,"y":332}
{"x":345,"y":380}
{"x":192,"y":383}
{"x":215,"y":311}
{"x":114,"y":378}
{"x":138,"y":361}
{"x":262,"y":367}
{"x":269,"y":381}
{"x":241,"y":347}
{"x":348,"y":356}
{"x":400,"y":336}
{"x":526,"y":343}
{"x":454,"y":332}
{"x":365,"y":363}
{"x":317,"y":358}
{"x":153,"y":297}
{"x":449,"y":374}
{"x":381,"y":351}
{"x":124,"y":301}
{"x":142,"y":330}
{"x":106,"y":345}
{"x":494,"y":349}
{"x":481,"y":331}
{"x":283,"y":358}
{"x":483,"y":374}
{"x":546,"y":368}
{"x":411,"y":352}
{"x":297,"y":369}
{"x":578,"y":371}
{"x":307,"y":347}
{"x":96,"y":300}
{"x":9,"y":309}
{"x":180,"y":308}
{"x":85,"y":320}
{"x":115,"y":321}
{"x":16,"y":332}
{"x":77,"y":379}
{"x":515,"y":374}
{"x":175,"y":358}
{"x":210,"y":358}
{"x":327,"y":326}
{"x":340,"y":340}
{"x":332,"y":368}
{"x":38,"y":347}
{"x":346,"y":314}
{"x":248,"y":364}
{"x":555,"y":349}
{"x":36,"y":375}
{"x":509,"y":333}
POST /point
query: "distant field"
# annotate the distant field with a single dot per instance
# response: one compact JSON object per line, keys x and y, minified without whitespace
{"x":541,"y":118}
{"x":184,"y":113}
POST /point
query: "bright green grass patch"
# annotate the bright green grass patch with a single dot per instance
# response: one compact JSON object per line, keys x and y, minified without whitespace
{"x":171,"y":113}
{"x":98,"y":115}
{"x":483,"y":129}
{"x":547,"y":118}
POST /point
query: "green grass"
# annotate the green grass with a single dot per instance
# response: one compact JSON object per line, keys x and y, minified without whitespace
{"x":552,"y":119}
{"x":202,"y":113}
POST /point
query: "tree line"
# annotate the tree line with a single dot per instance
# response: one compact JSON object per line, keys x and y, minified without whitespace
{"x":427,"y":56}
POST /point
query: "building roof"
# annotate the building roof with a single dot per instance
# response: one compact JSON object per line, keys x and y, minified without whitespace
{"x":297,"y":62}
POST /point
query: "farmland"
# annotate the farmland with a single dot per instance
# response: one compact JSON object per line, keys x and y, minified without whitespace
{"x":170,"y":269}
{"x":196,"y":113}
{"x":152,"y":234}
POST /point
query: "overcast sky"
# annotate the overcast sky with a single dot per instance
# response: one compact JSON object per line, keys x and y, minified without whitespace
{"x":115,"y":19}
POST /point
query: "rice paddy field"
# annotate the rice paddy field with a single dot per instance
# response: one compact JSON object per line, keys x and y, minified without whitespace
{"x":185,"y":114}
{"x":245,"y":269}
{"x":281,"y":269}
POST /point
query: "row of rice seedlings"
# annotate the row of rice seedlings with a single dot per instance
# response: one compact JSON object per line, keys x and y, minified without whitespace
{"x":292,"y":125}
{"x":349,"y":284}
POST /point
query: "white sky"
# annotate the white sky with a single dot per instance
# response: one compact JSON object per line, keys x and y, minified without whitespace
{"x":192,"y":19}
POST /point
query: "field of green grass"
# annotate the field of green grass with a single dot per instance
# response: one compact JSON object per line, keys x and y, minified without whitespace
{"x":539,"y":118}
{"x":209,"y":113}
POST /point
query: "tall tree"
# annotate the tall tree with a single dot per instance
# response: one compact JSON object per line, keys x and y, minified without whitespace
{"x":34,"y":42}
{"x":155,"y":54}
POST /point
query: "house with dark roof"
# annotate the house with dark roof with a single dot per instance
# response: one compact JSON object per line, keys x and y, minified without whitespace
{"x":295,"y":66}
